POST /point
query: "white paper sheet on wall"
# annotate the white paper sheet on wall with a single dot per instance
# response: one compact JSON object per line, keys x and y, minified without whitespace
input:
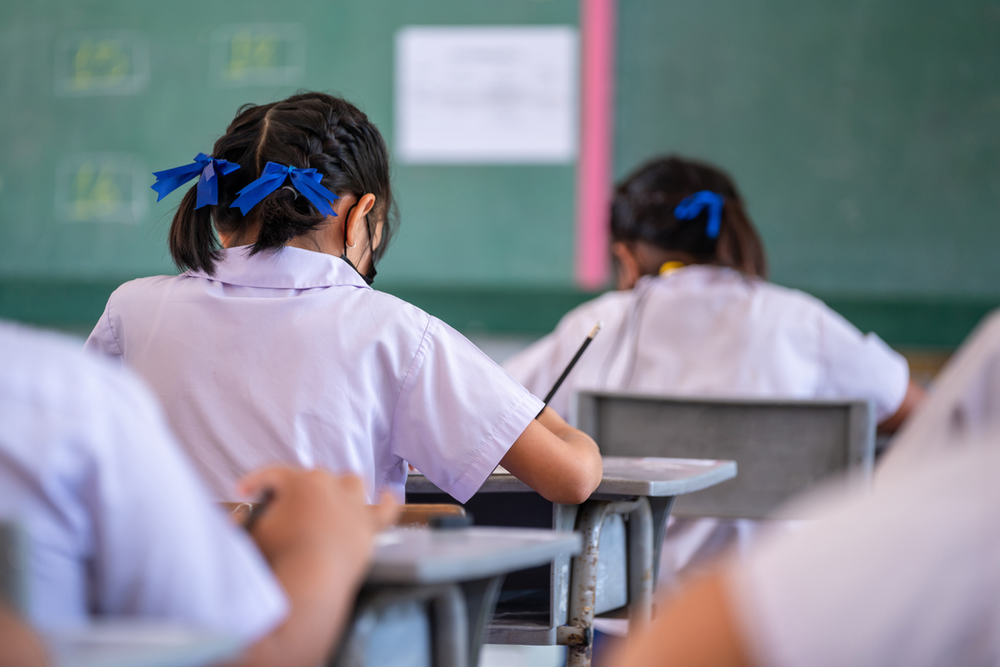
{"x":486,"y":95}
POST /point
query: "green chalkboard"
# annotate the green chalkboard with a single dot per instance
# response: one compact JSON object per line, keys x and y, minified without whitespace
{"x":864,"y":133}
{"x":97,"y":94}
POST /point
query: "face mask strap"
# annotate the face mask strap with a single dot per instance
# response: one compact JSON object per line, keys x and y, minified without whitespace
{"x":369,"y":275}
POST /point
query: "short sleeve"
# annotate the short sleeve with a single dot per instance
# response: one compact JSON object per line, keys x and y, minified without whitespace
{"x":163,"y":548}
{"x":458,"y":412}
{"x":859,"y":365}
{"x":102,"y":340}
{"x":898,"y":577}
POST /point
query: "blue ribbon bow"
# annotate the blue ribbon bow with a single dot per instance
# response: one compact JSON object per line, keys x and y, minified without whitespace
{"x":208,"y":185}
{"x":306,"y":181}
{"x":691,"y":207}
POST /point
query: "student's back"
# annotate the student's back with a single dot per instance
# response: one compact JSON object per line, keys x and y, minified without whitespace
{"x":302,"y":388}
{"x":705,"y":330}
{"x":274,"y":348}
{"x":695,"y":317}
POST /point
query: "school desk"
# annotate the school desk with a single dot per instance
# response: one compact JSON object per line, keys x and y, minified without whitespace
{"x":120,"y":643}
{"x":556,"y":604}
{"x":431,"y":592}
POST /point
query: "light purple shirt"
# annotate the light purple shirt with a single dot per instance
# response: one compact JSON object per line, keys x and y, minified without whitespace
{"x":289,"y":357}
{"x":118,"y":523}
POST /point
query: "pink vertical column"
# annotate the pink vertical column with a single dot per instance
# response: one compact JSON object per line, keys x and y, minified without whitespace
{"x":593,"y":180}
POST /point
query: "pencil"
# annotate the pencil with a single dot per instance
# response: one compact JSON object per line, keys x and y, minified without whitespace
{"x":258,"y":509}
{"x":572,"y":362}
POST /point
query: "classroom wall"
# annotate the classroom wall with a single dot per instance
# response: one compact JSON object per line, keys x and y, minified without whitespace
{"x":82,"y":136}
{"x":863,"y":134}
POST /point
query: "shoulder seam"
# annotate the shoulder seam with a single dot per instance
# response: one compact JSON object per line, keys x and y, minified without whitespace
{"x":111,"y":327}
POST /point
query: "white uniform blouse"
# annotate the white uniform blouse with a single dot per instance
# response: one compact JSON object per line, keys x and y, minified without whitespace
{"x":117,"y":521}
{"x":710,"y":331}
{"x":290,"y":357}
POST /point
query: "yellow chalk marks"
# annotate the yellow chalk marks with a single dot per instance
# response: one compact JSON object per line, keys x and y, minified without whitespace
{"x":114,"y":62}
{"x":96,"y":195}
{"x":100,"y":64}
{"x":249,"y":52}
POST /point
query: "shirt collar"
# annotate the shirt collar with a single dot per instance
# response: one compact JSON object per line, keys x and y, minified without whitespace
{"x":286,"y":268}
{"x":695,"y":275}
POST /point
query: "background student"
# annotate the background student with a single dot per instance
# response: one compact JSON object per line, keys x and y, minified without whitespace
{"x":118,"y":524}
{"x":694,"y":316}
{"x":273,"y":347}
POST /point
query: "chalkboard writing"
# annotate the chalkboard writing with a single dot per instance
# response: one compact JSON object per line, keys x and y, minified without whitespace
{"x":101,"y":187}
{"x":258,"y":54}
{"x":101,"y":63}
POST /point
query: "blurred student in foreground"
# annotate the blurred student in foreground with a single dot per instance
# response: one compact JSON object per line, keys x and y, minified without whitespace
{"x":118,"y":524}
{"x":905,"y":575}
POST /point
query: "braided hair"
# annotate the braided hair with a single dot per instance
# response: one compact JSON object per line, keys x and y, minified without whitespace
{"x":308,"y":130}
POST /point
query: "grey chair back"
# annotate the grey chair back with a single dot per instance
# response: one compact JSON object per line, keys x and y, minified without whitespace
{"x":781,"y":447}
{"x":13,"y":563}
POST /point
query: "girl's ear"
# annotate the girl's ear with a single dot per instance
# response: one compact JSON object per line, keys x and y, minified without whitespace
{"x":355,"y":227}
{"x":628,"y":266}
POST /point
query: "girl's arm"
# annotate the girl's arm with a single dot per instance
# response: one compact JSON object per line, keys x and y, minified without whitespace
{"x":555,"y":459}
{"x":696,"y":628}
{"x":21,"y":647}
{"x":915,"y":395}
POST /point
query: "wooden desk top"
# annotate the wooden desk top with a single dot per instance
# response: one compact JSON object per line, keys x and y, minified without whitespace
{"x":623,"y":477}
{"x":427,"y":556}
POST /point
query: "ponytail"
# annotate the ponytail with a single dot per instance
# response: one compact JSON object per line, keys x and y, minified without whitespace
{"x":193,"y":242}
{"x":738,"y":245}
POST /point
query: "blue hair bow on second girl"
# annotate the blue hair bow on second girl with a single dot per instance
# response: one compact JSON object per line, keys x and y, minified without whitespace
{"x":305,"y":181}
{"x":691,"y":207}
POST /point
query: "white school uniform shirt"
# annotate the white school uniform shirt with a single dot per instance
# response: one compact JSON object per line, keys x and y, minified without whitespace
{"x":963,"y":401}
{"x":289,"y":357}
{"x":905,"y":575}
{"x":118,"y":523}
{"x":710,"y":331}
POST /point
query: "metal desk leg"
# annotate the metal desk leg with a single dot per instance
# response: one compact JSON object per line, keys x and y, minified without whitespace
{"x":661,"y":507}
{"x":640,"y":564}
{"x":578,"y":634}
{"x":448,"y":616}
{"x":481,"y":598}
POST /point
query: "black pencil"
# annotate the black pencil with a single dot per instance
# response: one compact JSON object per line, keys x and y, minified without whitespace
{"x":570,"y":365}
{"x":258,"y":509}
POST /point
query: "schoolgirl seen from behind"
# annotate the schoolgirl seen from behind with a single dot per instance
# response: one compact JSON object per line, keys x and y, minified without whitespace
{"x":695,"y":316}
{"x":271,"y":346}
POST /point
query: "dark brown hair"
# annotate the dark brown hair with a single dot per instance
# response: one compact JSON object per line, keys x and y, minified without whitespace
{"x":308,"y":130}
{"x":643,"y":210}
